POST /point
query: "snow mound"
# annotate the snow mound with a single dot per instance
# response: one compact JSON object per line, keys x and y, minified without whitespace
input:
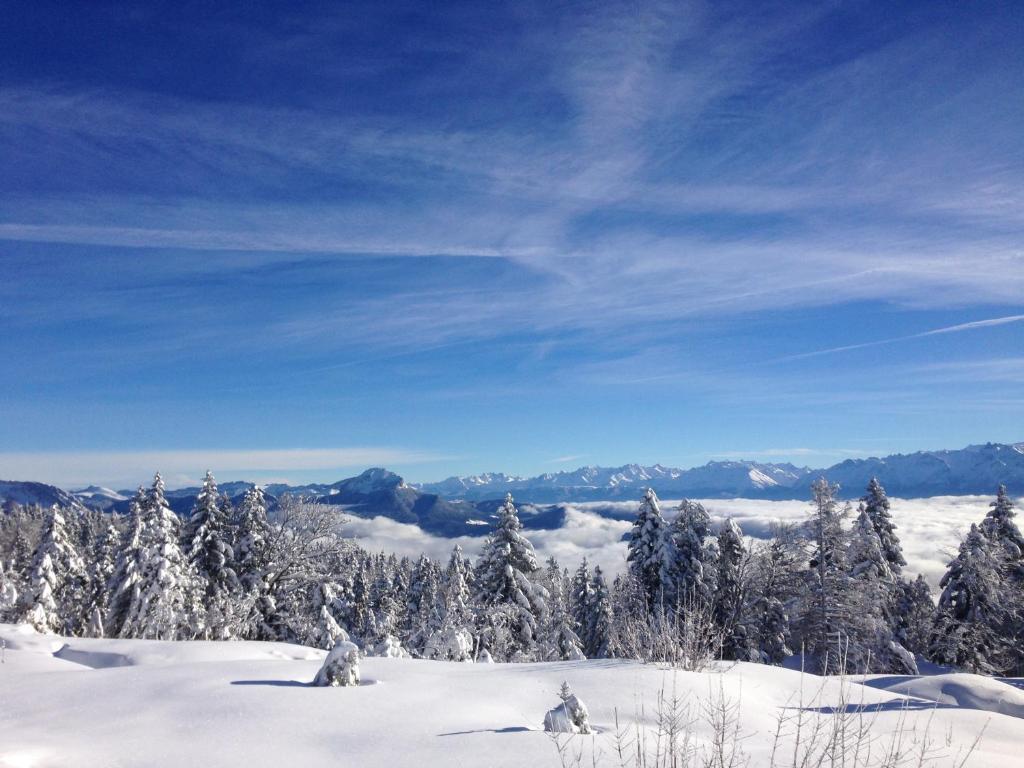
{"x":958,"y":689}
{"x":341,"y":667}
{"x":101,"y":654}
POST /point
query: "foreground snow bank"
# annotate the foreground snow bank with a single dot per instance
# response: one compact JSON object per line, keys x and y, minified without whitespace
{"x":957,"y":690}
{"x":251,"y":704}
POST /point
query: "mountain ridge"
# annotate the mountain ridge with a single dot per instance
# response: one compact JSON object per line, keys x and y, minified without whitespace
{"x":466,"y":505}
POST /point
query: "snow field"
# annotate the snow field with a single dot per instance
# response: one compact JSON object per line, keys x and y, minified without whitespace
{"x":149,"y":703}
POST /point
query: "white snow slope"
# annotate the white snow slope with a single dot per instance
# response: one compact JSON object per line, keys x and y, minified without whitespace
{"x":78,"y":702}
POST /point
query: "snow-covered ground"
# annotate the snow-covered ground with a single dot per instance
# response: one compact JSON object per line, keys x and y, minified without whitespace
{"x":78,"y":702}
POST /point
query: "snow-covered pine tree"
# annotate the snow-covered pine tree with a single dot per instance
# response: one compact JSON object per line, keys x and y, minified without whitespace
{"x":413,"y":635}
{"x":256,"y":606}
{"x":688,"y":557}
{"x":212,"y":558}
{"x":599,"y":617}
{"x":252,"y":531}
{"x":876,"y":505}
{"x":580,"y":600}
{"x":916,"y":610}
{"x":424,"y":607}
{"x":8,"y":593}
{"x":970,"y":611}
{"x":1001,"y":529}
{"x":123,"y":585}
{"x":513,"y":604}
{"x":326,"y":631}
{"x":21,"y":554}
{"x":166,"y":605}
{"x":825,"y":605}
{"x":645,"y":548}
{"x":560,"y":641}
{"x":775,"y":580}
{"x":386,"y":601}
{"x":631,"y":631}
{"x":871,"y":631}
{"x":359,"y":610}
{"x":456,"y":593}
{"x":729,"y":596}
{"x":101,"y":571}
{"x":451,"y":639}
{"x":57,"y":579}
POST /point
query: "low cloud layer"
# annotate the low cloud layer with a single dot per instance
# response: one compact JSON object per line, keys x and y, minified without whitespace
{"x":929,"y":529}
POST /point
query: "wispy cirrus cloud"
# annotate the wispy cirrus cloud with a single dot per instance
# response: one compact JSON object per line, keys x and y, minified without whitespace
{"x":567,"y":459}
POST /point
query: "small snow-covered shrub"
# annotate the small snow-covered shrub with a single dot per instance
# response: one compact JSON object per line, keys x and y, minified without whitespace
{"x":450,"y":645}
{"x":484,"y":657}
{"x":341,"y":667}
{"x":570,"y":716}
{"x":391,"y":647}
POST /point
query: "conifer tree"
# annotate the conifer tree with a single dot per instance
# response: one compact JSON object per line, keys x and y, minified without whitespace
{"x":57,"y":579}
{"x":871,"y":632}
{"x":688,"y":559}
{"x":101,"y":571}
{"x":776,"y":585}
{"x":970,"y":612}
{"x":916,"y":610}
{"x":167,"y":604}
{"x":8,"y":593}
{"x":211,"y":557}
{"x":999,"y":527}
{"x":124,"y":583}
{"x":581,"y":600}
{"x":645,"y":549}
{"x":424,"y":608}
{"x":729,"y":595}
{"x":326,"y":630}
{"x":561,"y":642}
{"x":513,"y":603}
{"x":456,"y":592}
{"x":825,"y":605}
{"x":876,"y":505}
{"x":257,"y":607}
{"x":1001,"y":530}
{"x":599,"y":617}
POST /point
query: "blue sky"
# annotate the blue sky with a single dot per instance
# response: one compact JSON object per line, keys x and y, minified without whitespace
{"x":456,"y":238}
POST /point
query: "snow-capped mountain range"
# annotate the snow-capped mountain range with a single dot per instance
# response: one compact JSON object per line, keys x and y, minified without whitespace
{"x":717,"y":478}
{"x":974,"y":469}
{"x":465,"y":505}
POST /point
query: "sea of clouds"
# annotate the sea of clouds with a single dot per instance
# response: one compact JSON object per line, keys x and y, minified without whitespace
{"x":929,"y":529}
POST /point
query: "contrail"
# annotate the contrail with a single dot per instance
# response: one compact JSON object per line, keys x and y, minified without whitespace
{"x":936,"y":332}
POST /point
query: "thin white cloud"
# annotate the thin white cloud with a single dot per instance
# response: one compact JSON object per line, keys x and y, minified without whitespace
{"x":959,"y":328}
{"x":127,"y":468}
{"x":567,"y":459}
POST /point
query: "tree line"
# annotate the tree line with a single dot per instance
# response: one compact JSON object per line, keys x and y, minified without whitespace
{"x":831,"y":588}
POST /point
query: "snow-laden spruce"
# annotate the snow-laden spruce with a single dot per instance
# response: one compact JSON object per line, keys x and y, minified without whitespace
{"x":56,"y":579}
{"x":560,"y":641}
{"x":166,"y":601}
{"x":688,"y":556}
{"x":645,"y":549}
{"x":513,"y":604}
{"x":212,"y":559}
